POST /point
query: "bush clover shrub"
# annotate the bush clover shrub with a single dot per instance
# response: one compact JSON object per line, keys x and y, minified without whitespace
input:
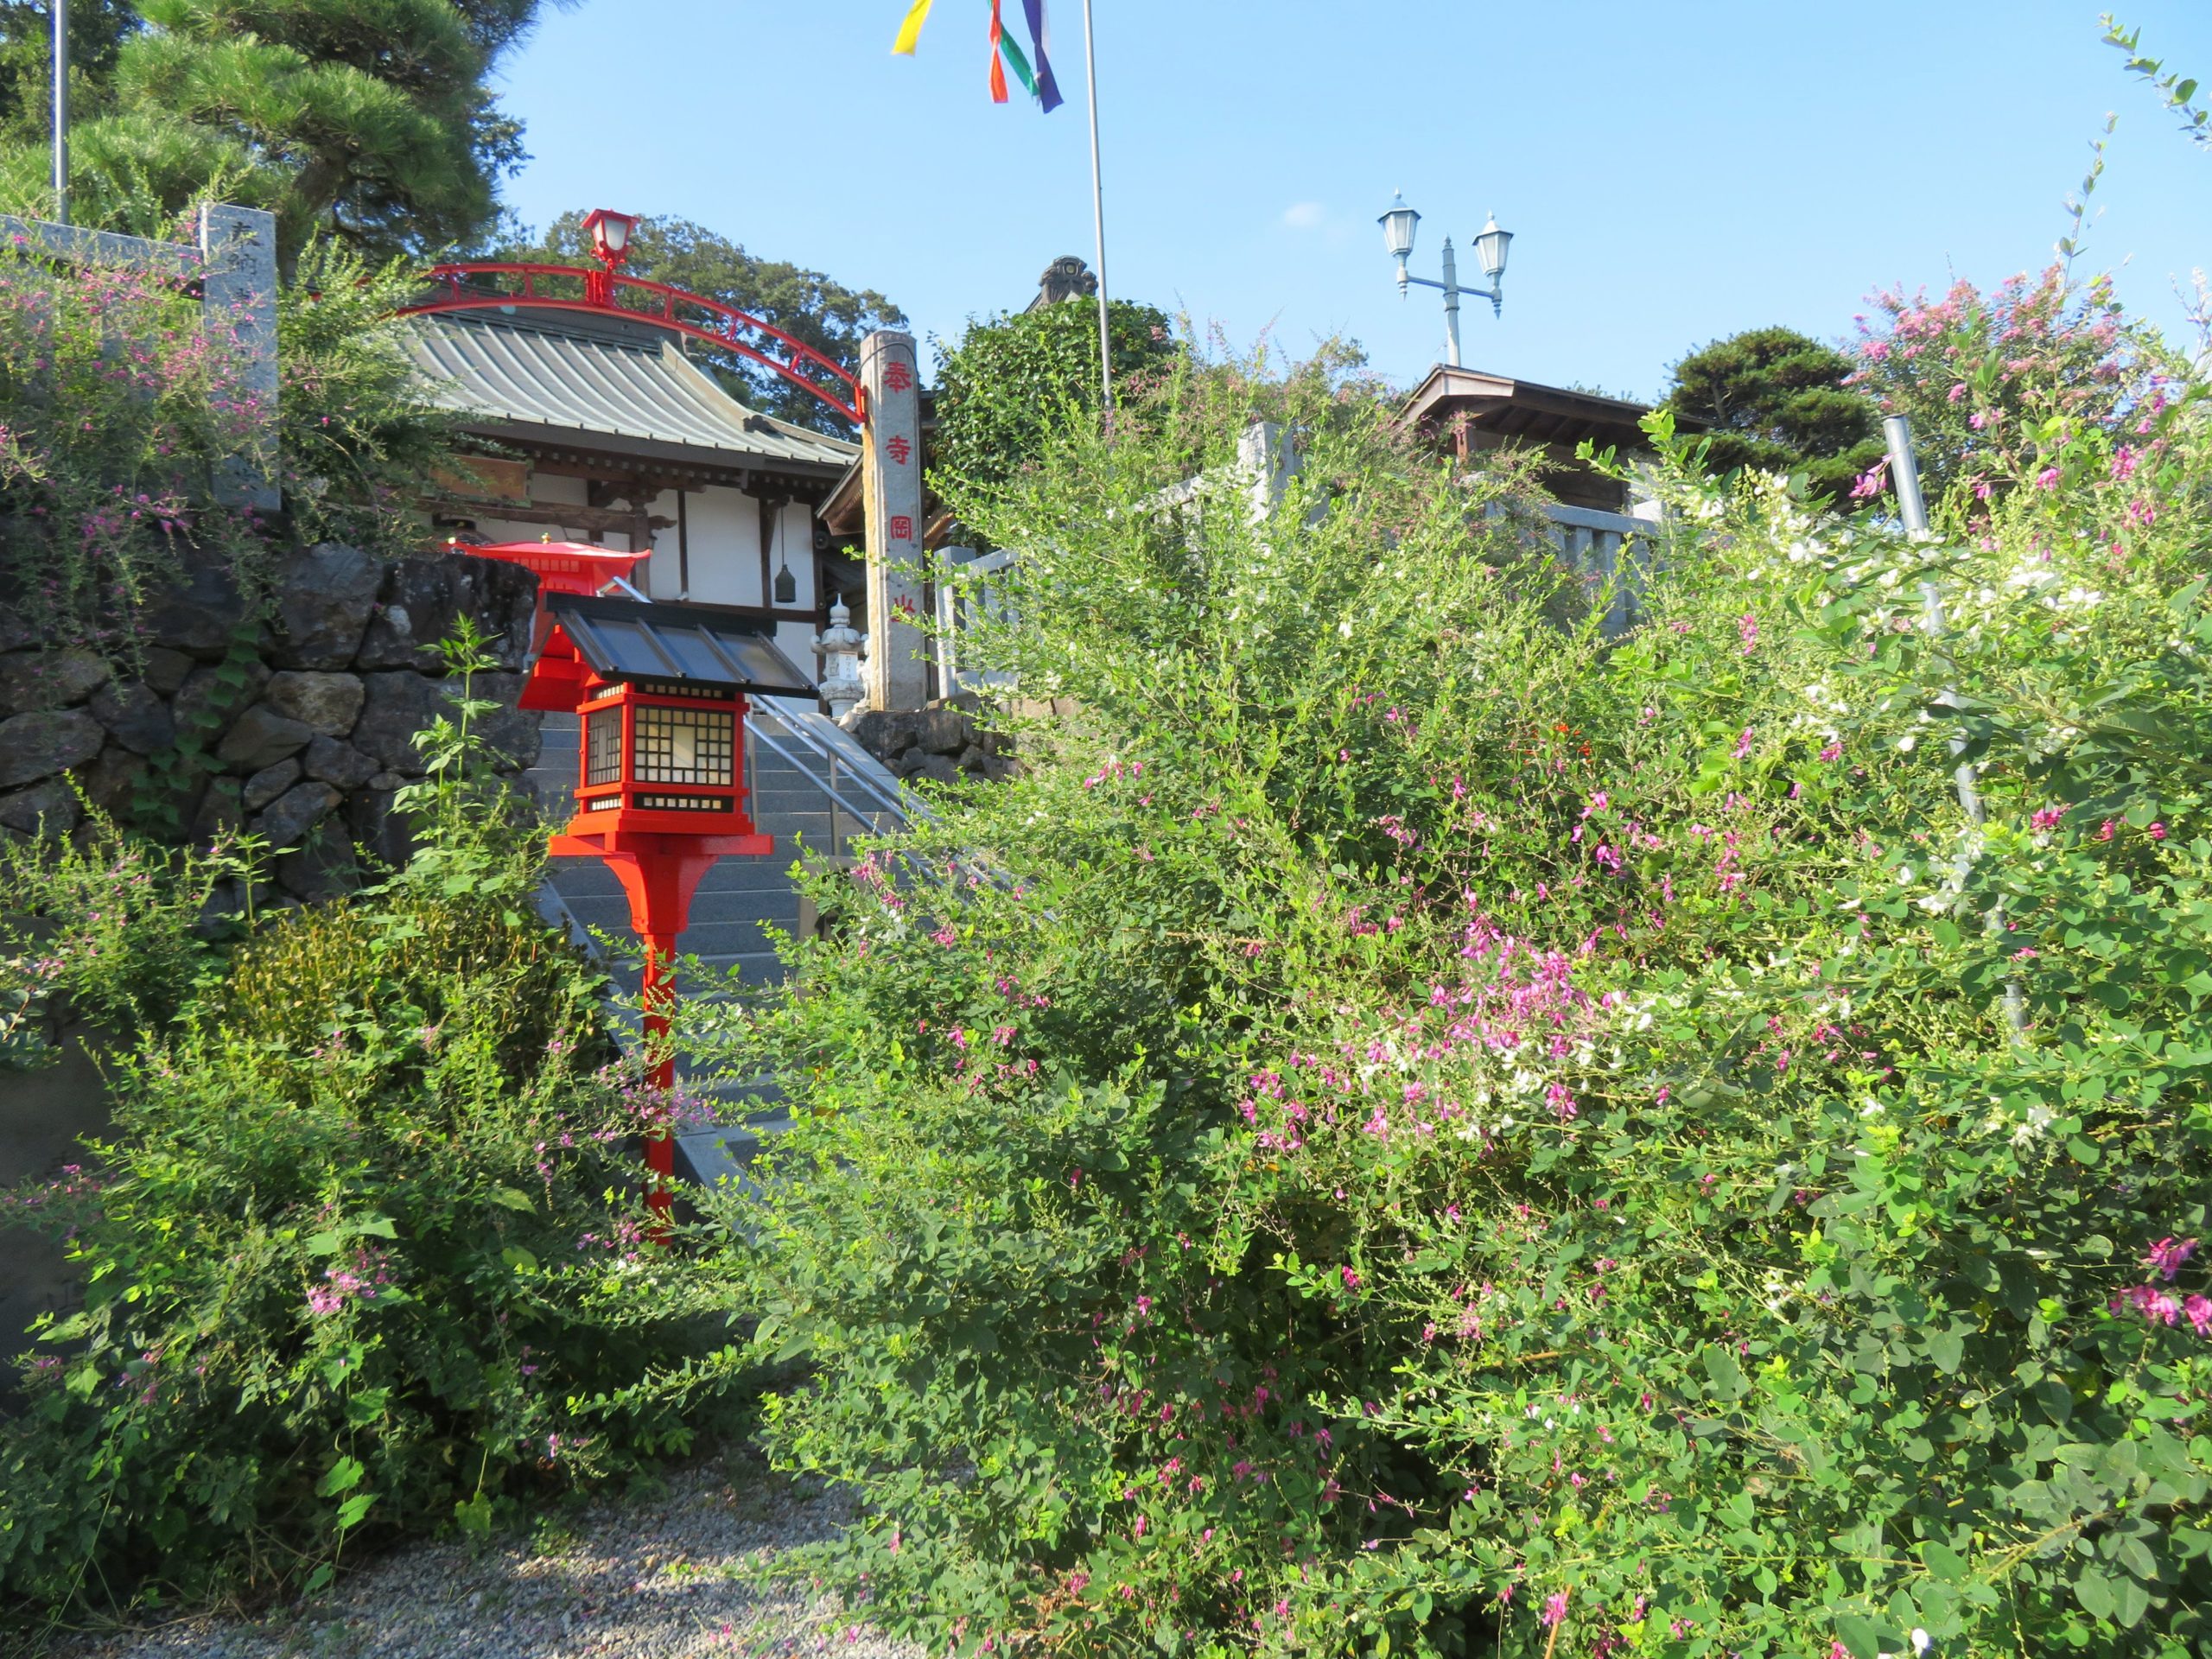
{"x":343,"y":1252}
{"x":1412,"y":1125}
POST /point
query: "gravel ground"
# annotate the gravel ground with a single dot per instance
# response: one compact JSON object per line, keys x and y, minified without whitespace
{"x":666,"y":1579}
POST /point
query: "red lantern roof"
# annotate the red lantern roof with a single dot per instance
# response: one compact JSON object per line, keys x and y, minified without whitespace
{"x":561,"y":567}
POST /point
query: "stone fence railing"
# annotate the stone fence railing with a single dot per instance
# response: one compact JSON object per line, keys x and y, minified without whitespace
{"x":233,"y":268}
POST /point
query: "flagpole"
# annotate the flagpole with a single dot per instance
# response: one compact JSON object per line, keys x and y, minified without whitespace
{"x":1098,"y":219}
{"x":61,"y":112}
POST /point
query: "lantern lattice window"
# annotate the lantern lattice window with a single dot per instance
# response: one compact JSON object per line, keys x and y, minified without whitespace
{"x":603,"y":747}
{"x":683,"y":746}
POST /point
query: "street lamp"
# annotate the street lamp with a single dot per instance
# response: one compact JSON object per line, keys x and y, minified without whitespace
{"x":1399,"y":221}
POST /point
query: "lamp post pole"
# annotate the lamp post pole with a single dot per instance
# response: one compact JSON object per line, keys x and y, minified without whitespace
{"x":1450,"y":287}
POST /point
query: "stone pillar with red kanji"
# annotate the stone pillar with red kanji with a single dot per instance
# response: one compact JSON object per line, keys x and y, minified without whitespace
{"x":891,"y":490}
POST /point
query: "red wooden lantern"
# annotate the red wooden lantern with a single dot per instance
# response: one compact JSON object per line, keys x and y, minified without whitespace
{"x":660,"y":692}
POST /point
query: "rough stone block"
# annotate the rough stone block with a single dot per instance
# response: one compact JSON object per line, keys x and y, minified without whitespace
{"x":51,"y":805}
{"x":219,"y":810}
{"x":37,"y":745}
{"x":400,"y":703}
{"x":937,"y":767}
{"x":269,"y":782}
{"x":510,"y":732}
{"x":332,"y":762}
{"x":261,"y":737}
{"x":211,"y":696}
{"x":111,"y":779}
{"x":329,"y":704}
{"x":883,"y":732}
{"x":197,"y":614}
{"x":415,"y":609}
{"x":323,"y":599}
{"x":423,"y":600}
{"x":135,"y":715}
{"x":165,"y":669}
{"x":321,"y":869}
{"x":295,"y":812}
{"x":48,"y":679}
{"x":381,"y":834}
{"x":943,"y":731}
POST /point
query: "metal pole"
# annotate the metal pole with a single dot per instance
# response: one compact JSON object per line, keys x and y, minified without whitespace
{"x":1451,"y":306}
{"x":1098,"y":219}
{"x":1904,"y":474}
{"x":61,"y":112}
{"x":657,"y":997}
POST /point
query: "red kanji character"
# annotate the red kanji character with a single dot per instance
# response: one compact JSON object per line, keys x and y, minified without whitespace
{"x":899,"y":449}
{"x":902,"y":528}
{"x":897,"y":377}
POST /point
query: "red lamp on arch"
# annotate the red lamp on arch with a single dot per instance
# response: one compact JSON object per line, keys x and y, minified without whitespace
{"x":610,"y":235}
{"x":661,"y":693}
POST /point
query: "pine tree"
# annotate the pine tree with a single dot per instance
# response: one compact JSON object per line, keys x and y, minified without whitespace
{"x":369,"y":121}
{"x":1776,"y":399}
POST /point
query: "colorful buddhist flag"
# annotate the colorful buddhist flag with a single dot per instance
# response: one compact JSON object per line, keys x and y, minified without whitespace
{"x":1040,"y":40}
{"x":999,"y":44}
{"x":911,"y":30}
{"x":1006,"y":52}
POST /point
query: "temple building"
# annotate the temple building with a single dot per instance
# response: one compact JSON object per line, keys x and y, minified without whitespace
{"x":601,"y":429}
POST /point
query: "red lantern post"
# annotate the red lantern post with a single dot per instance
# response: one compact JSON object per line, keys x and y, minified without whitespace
{"x":661,"y":696}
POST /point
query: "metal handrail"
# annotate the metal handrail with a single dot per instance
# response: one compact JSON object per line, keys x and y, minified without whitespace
{"x":826,"y":787}
{"x":903,"y":806}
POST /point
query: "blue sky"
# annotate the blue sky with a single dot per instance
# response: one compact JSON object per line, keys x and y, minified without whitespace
{"x":1673,"y":172}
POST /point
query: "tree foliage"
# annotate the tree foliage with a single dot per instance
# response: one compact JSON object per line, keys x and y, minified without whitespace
{"x":368,"y":121}
{"x":1779,"y":401}
{"x":1413,"y":1127}
{"x":98,"y":29}
{"x":1015,"y":378}
{"x":812,"y":307}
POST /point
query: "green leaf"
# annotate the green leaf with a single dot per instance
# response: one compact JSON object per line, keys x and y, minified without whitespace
{"x":1865,"y":1636}
{"x":508,"y":1198}
{"x":1944,"y":1562}
{"x":351,"y":1511}
{"x":2082,"y":1152}
{"x":2130,"y":1601}
{"x":1728,"y":1380}
{"x":1946,"y":1348}
{"x":519,"y":1259}
{"x":473,"y":1515}
{"x":2094,"y":1591}
{"x":344,"y":1475}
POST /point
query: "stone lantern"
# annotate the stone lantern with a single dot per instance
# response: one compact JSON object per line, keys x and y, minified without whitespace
{"x":841,"y":646}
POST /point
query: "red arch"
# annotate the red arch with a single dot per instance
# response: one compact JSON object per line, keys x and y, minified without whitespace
{"x":600,"y":288}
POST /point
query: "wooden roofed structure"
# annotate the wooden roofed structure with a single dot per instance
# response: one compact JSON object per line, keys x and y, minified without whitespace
{"x":1472,"y":411}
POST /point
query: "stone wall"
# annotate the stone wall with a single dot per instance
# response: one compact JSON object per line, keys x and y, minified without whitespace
{"x":309,"y":718}
{"x":941,"y":740}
